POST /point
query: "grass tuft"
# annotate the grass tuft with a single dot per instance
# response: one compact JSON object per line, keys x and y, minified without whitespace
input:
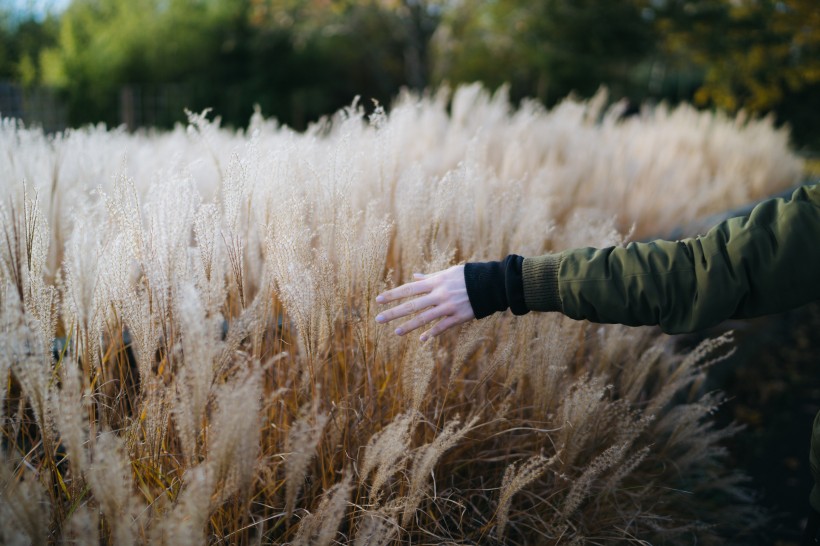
{"x":189,"y":352}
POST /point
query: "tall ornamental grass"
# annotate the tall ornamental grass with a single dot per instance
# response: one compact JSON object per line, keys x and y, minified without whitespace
{"x":189,"y":352}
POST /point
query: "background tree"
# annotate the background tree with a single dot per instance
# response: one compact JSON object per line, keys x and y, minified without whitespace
{"x":22,"y":38}
{"x":545,"y":49}
{"x":104,"y":44}
{"x":297,"y":59}
{"x":300,"y":59}
{"x":758,"y":55}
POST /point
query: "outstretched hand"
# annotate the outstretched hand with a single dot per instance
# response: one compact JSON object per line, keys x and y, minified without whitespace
{"x":441,"y":295}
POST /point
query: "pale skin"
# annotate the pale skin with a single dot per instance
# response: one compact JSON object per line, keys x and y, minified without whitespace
{"x":439,"y":296}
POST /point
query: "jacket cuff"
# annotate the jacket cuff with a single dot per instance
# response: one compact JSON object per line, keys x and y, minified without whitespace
{"x":540,"y":279}
{"x":495,"y":286}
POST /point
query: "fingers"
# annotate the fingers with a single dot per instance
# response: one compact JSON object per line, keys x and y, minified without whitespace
{"x":406,"y":308}
{"x":437,"y":296}
{"x":441,"y":326}
{"x":409,"y":289}
{"x":404,"y":291}
{"x":420,"y":320}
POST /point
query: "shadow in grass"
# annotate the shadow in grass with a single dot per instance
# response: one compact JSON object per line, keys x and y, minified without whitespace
{"x":773,"y":386}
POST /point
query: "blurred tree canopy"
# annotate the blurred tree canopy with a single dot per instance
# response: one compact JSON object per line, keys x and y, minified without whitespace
{"x":545,"y":49}
{"x":300,"y":59}
{"x":20,"y":44}
{"x":753,"y":53}
{"x":758,"y":55}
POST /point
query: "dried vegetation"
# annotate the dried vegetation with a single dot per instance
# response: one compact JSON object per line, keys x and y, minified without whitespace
{"x":189,"y":353}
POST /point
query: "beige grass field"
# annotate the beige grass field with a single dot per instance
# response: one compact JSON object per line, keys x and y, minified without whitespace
{"x":218,"y":376}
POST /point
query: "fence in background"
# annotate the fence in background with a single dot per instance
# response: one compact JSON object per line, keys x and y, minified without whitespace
{"x":139,"y":106}
{"x":152,"y":106}
{"x":34,"y":107}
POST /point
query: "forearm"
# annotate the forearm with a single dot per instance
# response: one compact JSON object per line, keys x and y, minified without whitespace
{"x":763,"y":263}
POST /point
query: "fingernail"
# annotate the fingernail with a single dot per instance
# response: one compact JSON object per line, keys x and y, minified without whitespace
{"x":399,"y":331}
{"x":424,"y":338}
{"x":379,"y":318}
{"x":379,"y":299}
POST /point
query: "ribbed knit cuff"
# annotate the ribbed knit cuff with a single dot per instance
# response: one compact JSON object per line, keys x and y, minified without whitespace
{"x":495,"y":286}
{"x":514,"y":284}
{"x":540,"y":278}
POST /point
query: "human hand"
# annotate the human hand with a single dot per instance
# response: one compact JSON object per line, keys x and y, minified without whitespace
{"x":441,"y":295}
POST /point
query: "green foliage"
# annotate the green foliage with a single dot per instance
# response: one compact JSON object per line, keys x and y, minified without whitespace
{"x":753,"y":53}
{"x":756,"y":55}
{"x":21,"y":41}
{"x":300,"y":59}
{"x":312,"y":57}
{"x":104,"y":44}
{"x":546,"y":49}
{"x":297,"y":59}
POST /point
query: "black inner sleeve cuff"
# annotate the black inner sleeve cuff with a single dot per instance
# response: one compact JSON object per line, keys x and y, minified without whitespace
{"x":514,"y":284}
{"x":495,"y":286}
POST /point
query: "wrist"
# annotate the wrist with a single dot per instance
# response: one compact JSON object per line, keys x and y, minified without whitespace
{"x":495,"y":286}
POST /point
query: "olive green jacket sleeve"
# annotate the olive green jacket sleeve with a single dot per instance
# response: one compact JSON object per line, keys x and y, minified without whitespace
{"x":763,"y":263}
